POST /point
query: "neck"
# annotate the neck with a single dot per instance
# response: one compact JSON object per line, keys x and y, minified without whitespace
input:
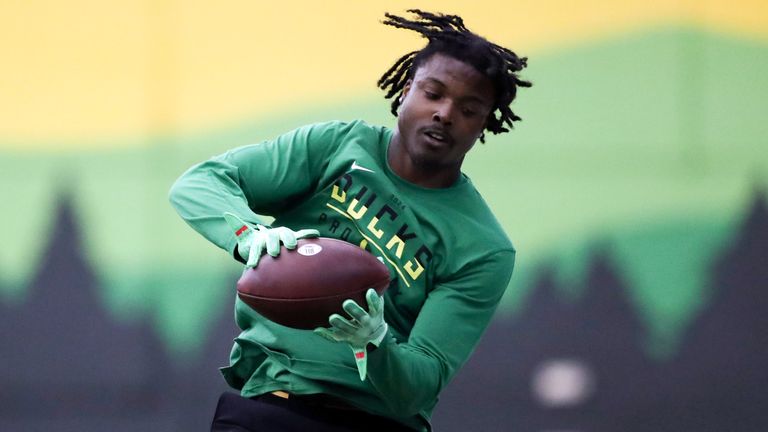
{"x":418,"y":172}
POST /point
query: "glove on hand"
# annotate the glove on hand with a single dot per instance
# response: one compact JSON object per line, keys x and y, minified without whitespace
{"x":364,"y":328}
{"x":251,"y":241}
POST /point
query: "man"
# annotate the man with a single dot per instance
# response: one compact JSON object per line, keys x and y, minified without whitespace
{"x":401,"y":195}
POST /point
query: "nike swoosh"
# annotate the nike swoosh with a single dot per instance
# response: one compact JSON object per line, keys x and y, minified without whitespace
{"x":355,"y":166}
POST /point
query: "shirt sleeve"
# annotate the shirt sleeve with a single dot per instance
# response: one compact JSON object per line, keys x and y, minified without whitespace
{"x":258,"y":179}
{"x":409,"y":376}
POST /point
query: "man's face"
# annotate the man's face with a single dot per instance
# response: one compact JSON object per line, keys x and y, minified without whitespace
{"x":444,"y":111}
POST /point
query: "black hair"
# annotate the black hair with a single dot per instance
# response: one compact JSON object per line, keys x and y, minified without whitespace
{"x":447,"y":35}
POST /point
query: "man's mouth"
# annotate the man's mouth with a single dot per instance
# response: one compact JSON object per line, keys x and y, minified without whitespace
{"x":438,"y":135}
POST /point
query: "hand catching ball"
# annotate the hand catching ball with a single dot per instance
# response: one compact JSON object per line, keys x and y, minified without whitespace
{"x":301,"y":288}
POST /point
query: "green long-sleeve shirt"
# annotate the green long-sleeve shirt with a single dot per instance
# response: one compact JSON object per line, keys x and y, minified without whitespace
{"x":449,"y":258}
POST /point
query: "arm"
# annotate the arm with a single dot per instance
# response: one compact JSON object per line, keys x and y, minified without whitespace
{"x":409,"y":376}
{"x":251,"y":180}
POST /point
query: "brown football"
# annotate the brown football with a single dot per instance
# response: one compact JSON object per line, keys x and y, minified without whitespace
{"x":301,"y":288}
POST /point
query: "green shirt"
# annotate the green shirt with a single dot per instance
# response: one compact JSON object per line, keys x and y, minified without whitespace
{"x":449,"y":258}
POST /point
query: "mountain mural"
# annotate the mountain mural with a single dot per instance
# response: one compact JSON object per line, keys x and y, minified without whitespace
{"x":564,"y":362}
{"x":68,"y":364}
{"x":579,"y":364}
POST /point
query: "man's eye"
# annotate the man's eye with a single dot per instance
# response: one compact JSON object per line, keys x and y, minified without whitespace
{"x":432,"y":96}
{"x":468,"y":112}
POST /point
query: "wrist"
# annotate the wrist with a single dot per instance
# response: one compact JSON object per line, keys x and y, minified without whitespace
{"x":379,"y":335}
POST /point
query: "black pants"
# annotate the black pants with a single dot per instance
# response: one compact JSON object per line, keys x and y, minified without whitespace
{"x":268,"y":412}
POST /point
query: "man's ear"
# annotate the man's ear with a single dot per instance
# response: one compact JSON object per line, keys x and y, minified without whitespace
{"x":406,"y":89}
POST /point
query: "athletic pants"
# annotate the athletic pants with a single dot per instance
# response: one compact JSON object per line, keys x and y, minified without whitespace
{"x":268,"y":412}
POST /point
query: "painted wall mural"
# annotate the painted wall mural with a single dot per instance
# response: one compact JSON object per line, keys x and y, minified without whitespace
{"x":634,"y":191}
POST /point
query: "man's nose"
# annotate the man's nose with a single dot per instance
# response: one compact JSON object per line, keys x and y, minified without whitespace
{"x":444,"y":113}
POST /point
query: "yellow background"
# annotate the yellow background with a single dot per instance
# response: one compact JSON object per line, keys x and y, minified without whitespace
{"x":85,"y":73}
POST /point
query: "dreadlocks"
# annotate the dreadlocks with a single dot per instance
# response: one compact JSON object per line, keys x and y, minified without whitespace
{"x":448,"y":35}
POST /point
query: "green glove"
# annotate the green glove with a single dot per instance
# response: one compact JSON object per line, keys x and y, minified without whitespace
{"x":251,"y":241}
{"x":364,"y":328}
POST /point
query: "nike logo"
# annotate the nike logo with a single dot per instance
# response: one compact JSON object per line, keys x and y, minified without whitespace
{"x":355,"y":166}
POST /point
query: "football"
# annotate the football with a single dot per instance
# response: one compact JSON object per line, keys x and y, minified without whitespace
{"x":301,"y":288}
